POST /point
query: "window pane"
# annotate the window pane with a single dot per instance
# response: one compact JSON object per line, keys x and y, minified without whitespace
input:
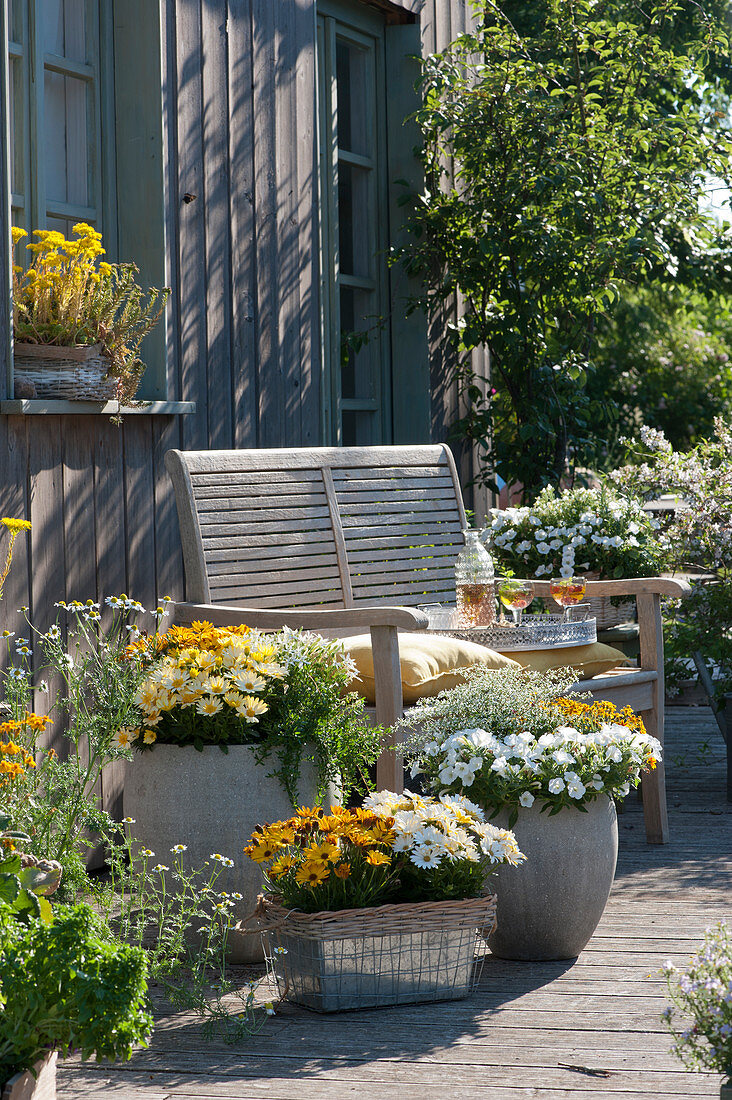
{"x":359,"y":429}
{"x":62,"y":225}
{"x":360,"y":344}
{"x":67,"y":142}
{"x":16,"y":126}
{"x":355,"y":222}
{"x":52,"y":24}
{"x":355,"y":93}
{"x":16,"y":20}
{"x":63,"y":28}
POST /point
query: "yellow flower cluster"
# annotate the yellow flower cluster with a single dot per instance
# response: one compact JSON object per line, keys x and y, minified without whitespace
{"x":58,"y":288}
{"x":600,"y":713}
{"x":211,"y":669}
{"x":313,"y":845}
{"x":15,"y":760}
{"x":15,"y":526}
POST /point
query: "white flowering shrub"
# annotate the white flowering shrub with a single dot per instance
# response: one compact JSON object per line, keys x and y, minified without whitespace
{"x":577,"y":530}
{"x":697,"y":536}
{"x":508,"y":738}
{"x":702,"y":997}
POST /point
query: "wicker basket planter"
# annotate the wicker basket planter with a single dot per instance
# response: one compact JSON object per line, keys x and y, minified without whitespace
{"x":73,"y":374}
{"x":604,"y":610}
{"x":368,"y":958}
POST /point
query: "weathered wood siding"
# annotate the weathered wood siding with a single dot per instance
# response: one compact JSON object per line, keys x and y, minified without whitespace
{"x":241,"y":223}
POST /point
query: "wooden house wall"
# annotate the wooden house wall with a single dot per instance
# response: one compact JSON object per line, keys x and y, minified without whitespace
{"x":243,"y":330}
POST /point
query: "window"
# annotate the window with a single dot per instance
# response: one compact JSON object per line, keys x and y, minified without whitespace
{"x":55,"y":110}
{"x":354,"y":225}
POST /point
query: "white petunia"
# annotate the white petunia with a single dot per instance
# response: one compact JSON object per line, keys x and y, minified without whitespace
{"x":556,"y":786}
{"x":526,"y":799}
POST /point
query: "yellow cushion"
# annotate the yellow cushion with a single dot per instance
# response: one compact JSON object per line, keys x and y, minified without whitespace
{"x":429,"y":663}
{"x":586,"y":660}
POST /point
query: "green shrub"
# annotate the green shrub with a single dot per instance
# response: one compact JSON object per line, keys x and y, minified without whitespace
{"x":64,"y":986}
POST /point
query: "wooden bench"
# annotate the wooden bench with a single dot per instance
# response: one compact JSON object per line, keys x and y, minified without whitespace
{"x":343,"y":540}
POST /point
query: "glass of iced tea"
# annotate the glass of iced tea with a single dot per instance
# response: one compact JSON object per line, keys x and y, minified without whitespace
{"x":567,"y":591}
{"x":515,"y":595}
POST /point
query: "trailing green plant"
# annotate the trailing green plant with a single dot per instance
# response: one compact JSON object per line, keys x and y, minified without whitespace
{"x":64,"y":986}
{"x":572,"y":149}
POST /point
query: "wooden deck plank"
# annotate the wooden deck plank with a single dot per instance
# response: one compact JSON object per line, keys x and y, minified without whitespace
{"x":589,"y":1028}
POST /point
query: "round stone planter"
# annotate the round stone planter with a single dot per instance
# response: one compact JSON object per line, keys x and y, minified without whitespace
{"x":210,"y":801}
{"x":26,"y":1086}
{"x":725,"y":1090}
{"x":549,"y":906}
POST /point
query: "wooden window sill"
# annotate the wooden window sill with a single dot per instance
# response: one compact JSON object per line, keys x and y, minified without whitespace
{"x":27,"y":407}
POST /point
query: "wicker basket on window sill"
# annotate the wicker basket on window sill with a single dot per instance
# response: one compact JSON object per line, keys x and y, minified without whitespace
{"x":73,"y":374}
{"x":605,"y":611}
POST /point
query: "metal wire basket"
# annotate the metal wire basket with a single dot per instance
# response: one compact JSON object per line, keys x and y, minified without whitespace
{"x":368,"y":958}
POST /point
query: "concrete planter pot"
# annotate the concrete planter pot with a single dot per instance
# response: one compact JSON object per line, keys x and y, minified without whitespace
{"x":42,"y":1086}
{"x":725,"y":1090}
{"x":549,"y":907}
{"x":210,"y":801}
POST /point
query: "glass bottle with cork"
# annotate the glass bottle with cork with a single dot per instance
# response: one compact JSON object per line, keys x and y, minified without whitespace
{"x":474,"y":583}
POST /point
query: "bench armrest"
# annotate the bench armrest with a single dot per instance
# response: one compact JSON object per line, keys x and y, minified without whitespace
{"x":348,"y":618}
{"x":630,"y":586}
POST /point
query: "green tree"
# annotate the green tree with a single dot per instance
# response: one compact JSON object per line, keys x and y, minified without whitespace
{"x":574,"y":151}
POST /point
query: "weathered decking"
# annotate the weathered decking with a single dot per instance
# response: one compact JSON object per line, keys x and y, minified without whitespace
{"x":587,"y":1029}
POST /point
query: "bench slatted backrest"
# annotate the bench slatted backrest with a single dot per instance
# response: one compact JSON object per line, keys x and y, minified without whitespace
{"x":325,"y":527}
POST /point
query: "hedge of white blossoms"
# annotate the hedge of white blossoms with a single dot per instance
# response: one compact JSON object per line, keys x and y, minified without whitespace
{"x":577,"y":530}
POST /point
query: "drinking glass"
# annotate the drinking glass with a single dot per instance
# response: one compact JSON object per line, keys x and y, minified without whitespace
{"x":516,"y":595}
{"x":567,"y":591}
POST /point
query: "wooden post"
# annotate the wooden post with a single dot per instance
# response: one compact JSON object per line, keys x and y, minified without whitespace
{"x":388,"y":686}
{"x":651,"y":656}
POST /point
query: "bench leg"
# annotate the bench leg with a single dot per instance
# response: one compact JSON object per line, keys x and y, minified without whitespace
{"x":388,"y":689}
{"x":653,"y":786}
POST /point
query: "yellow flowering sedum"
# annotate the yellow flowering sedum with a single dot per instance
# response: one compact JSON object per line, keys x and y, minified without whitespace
{"x":68,"y":297}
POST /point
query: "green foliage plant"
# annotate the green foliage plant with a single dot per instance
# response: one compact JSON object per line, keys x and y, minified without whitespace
{"x":663,"y":360}
{"x":64,"y":986}
{"x":553,"y":164}
{"x":700,"y":1018}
